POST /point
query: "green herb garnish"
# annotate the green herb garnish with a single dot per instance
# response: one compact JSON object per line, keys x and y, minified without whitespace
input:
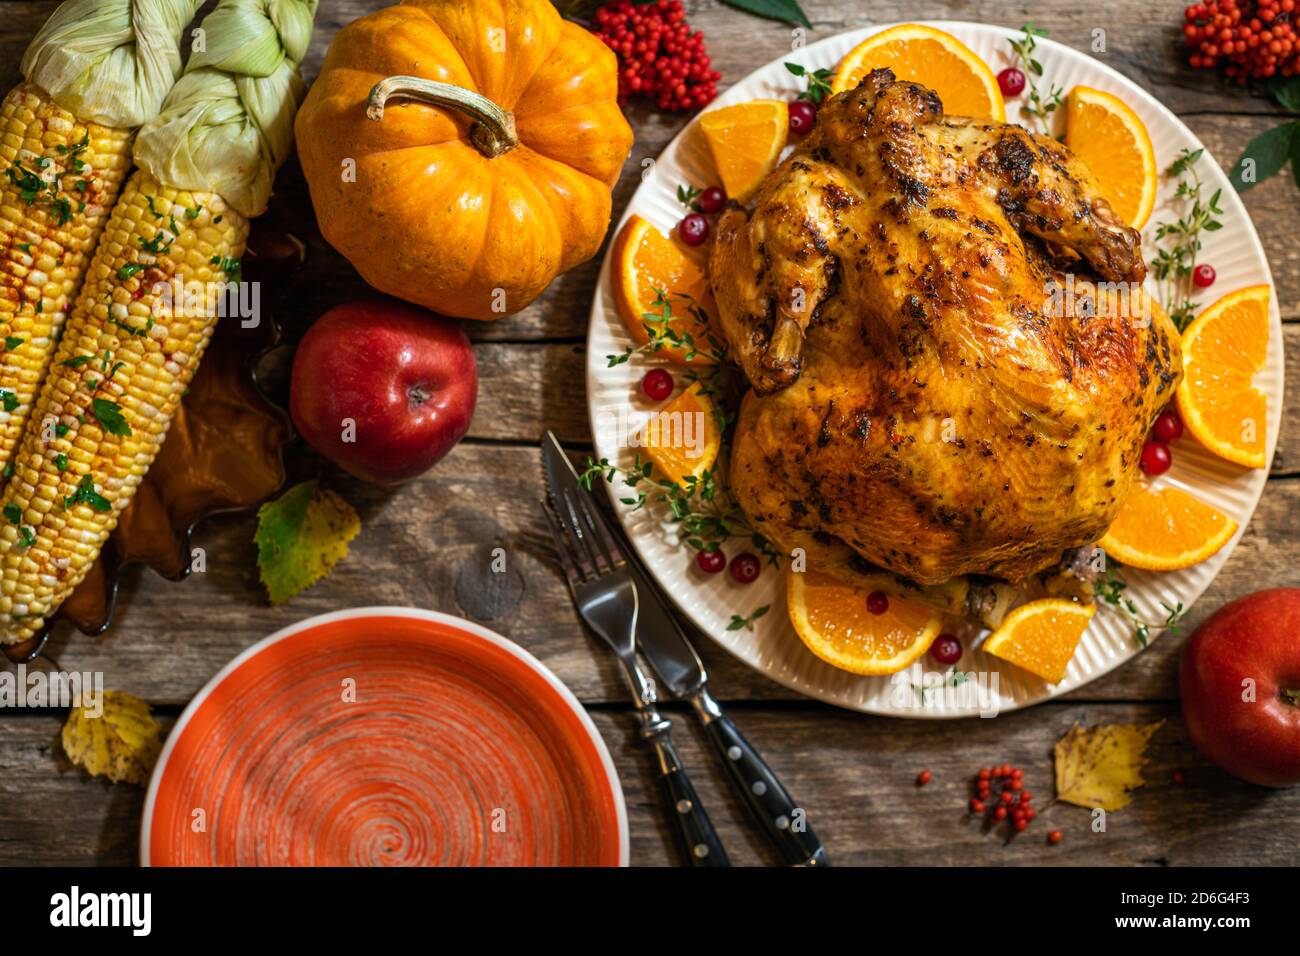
{"x":86,"y":494}
{"x":818,"y":82}
{"x":1037,"y":104}
{"x":110,"y":417}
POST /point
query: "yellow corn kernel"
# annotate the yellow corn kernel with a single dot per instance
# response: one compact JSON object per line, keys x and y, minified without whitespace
{"x":128,"y":351}
{"x":59,"y":178}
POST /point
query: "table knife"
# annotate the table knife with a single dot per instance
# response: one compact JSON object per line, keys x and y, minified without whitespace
{"x":677,"y":665}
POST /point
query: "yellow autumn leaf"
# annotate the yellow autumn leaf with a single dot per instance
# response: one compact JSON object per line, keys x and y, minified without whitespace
{"x":300,"y":537}
{"x":119,"y":739}
{"x":1100,"y":766}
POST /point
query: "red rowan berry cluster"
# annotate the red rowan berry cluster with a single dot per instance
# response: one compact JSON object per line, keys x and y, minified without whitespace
{"x":1013,"y":804}
{"x":658,"y":55}
{"x":1250,"y":39}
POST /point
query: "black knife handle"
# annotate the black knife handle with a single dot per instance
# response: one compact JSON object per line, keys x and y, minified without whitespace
{"x":785,"y":824}
{"x":699,"y":840}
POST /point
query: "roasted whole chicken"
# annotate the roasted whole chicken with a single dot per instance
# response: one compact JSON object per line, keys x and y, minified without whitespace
{"x":952,"y":365}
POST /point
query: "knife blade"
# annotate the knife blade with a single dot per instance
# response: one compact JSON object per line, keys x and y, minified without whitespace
{"x":674,"y":660}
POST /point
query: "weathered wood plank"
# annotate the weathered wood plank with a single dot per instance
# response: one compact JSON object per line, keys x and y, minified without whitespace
{"x":430,"y":543}
{"x":854,"y":775}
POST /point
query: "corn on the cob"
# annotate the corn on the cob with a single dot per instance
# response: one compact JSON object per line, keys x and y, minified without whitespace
{"x":97,"y":70}
{"x":130,"y":349}
{"x":61,"y":177}
{"x":150,"y":302}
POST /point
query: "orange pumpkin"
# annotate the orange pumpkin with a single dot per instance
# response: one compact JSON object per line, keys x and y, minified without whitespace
{"x":460,"y":153}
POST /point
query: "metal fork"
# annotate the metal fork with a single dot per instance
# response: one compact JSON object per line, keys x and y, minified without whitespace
{"x":605,"y":596}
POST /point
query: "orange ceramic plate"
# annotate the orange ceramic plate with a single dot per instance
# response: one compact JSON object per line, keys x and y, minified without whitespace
{"x":388,"y":737}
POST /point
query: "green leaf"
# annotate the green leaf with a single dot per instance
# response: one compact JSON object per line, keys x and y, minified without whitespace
{"x":86,"y":494}
{"x":1287,"y":92}
{"x":787,"y":11}
{"x":110,"y":417}
{"x":301,"y":537}
{"x":1295,"y":158}
{"x":1269,"y":152}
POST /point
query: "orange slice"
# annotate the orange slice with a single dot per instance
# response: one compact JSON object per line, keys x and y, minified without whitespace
{"x":646,"y":262}
{"x":746,"y":141}
{"x":1223,"y":350}
{"x":930,"y":57}
{"x":1113,"y":143}
{"x":683,"y":437}
{"x":1041,"y":636}
{"x":832,"y":619}
{"x":1165,"y":530}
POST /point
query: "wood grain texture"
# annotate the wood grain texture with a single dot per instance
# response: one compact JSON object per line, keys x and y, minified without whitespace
{"x":855,"y":777}
{"x":431,"y":543}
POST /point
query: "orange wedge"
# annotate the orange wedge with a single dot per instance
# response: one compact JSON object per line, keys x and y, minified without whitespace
{"x":683,"y":437}
{"x":1223,"y":350}
{"x":930,"y":57}
{"x":1165,"y":530}
{"x":646,"y":262}
{"x":1113,"y":143}
{"x":1041,"y":636}
{"x":746,"y":141}
{"x":832,"y":619}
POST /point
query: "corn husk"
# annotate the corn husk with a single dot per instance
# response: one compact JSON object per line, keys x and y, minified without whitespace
{"x":110,"y":61}
{"x":227,"y":125}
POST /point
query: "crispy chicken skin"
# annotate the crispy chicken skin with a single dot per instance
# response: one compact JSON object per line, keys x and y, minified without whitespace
{"x":920,"y":398}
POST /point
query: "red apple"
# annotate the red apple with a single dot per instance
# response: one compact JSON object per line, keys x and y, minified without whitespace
{"x":1241,"y":687}
{"x":383,"y":389}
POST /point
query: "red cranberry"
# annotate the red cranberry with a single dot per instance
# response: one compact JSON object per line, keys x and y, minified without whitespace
{"x":1203,"y":276}
{"x":693,"y":229}
{"x":712,"y":199}
{"x":803,"y":116}
{"x":657,"y":384}
{"x":1168,"y":427}
{"x":745,"y":568}
{"x":1011,"y":82}
{"x":710,"y":562}
{"x":877,"y":602}
{"x":946,"y":649}
{"x":1156,"y":458}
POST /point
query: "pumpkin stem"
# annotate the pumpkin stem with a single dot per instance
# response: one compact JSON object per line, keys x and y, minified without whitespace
{"x":493,"y":132}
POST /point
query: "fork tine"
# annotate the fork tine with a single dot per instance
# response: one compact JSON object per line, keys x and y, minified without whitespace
{"x":601,"y":535}
{"x":563,"y":547}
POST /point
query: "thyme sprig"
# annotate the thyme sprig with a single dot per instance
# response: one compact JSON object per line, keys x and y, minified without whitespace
{"x":688,"y":196}
{"x":818,"y":82}
{"x":706,"y":517}
{"x":1175,"y":261}
{"x":662,"y":333}
{"x":1038,"y":103}
{"x":738,"y":622}
{"x":1113,"y":590}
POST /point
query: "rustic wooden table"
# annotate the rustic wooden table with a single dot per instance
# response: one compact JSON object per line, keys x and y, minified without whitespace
{"x":429,"y":544}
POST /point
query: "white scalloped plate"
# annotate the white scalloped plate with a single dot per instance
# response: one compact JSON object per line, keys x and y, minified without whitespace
{"x":772,"y":647}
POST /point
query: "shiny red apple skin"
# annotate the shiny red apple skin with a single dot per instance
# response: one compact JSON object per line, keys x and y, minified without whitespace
{"x":1255,"y":637}
{"x":405,"y":376}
